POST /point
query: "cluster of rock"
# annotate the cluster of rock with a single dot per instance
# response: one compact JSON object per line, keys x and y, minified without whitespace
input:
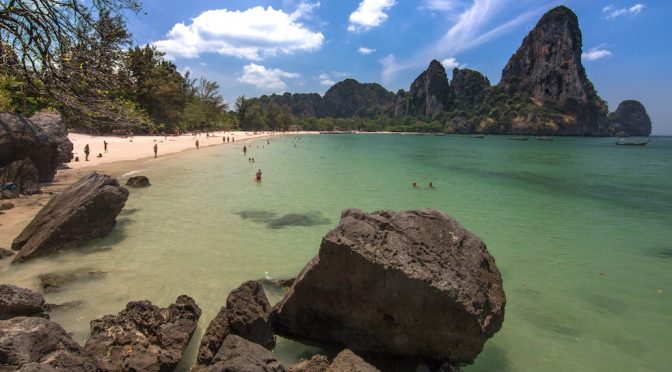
{"x":31,"y":149}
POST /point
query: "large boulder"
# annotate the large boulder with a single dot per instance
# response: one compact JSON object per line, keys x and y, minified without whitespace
{"x":138,"y":181}
{"x":414,"y":284}
{"x":15,"y":301}
{"x":317,"y":363}
{"x":143,"y":337}
{"x":52,"y":124}
{"x":24,"y":174}
{"x":347,"y":361}
{"x":630,"y":119}
{"x":38,"y":344}
{"x":20,"y":138}
{"x":248,"y":312}
{"x":86,"y":210}
{"x":214,"y":337}
{"x":240,"y":355}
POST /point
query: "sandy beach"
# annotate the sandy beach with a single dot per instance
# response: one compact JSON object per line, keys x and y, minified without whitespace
{"x":123,"y":154}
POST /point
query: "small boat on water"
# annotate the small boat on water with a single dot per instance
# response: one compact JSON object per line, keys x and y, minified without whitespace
{"x":632,"y":143}
{"x":544,"y":138}
{"x":478,"y":136}
{"x":521,"y":138}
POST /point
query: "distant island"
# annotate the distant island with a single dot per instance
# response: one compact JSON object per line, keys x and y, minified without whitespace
{"x":544,"y":90}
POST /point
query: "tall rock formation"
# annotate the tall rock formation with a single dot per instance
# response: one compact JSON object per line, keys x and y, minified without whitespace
{"x":548,"y":67}
{"x":469,"y":87}
{"x":430,"y":92}
{"x":630,"y":119}
{"x":350,"y":97}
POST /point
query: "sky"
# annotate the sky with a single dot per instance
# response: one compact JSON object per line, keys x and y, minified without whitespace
{"x":255,"y":47}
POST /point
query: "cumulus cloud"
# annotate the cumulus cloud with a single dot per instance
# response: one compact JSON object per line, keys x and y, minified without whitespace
{"x":364,"y":50}
{"x":596,"y":53}
{"x":325,"y":79}
{"x":329,"y":78}
{"x":450,"y":63}
{"x":369,"y":14}
{"x":612,"y":12}
{"x":266,"y":79}
{"x":251,"y":34}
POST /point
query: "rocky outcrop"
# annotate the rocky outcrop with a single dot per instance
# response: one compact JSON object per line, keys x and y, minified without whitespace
{"x":350,"y":98}
{"x":469,"y":87}
{"x":460,"y":125}
{"x":15,"y":301}
{"x":24,"y":174}
{"x":20,"y":138}
{"x":548,"y":67}
{"x":143,"y":337}
{"x":317,"y":363}
{"x":240,"y":355}
{"x":138,"y":181}
{"x":4,"y":253}
{"x":430,"y":92}
{"x":347,"y":361}
{"x":86,"y":210}
{"x":214,"y":337}
{"x":37,"y":344}
{"x":414,"y":284}
{"x":630,"y":119}
{"x":400,"y":105}
{"x":52,"y":125}
{"x":54,"y":282}
{"x":248,"y":311}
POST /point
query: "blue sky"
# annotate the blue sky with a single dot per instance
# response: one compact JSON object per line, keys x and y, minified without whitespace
{"x":260,"y":47}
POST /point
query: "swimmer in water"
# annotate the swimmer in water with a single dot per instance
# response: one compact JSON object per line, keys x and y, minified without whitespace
{"x":258,"y":176}
{"x":415,"y":185}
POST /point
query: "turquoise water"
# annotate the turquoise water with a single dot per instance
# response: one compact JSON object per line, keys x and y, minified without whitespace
{"x":579,"y":227}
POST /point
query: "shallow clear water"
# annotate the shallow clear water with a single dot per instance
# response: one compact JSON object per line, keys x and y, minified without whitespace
{"x":580,"y":229}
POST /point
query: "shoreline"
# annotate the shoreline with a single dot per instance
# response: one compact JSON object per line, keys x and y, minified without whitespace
{"x":124,"y":155}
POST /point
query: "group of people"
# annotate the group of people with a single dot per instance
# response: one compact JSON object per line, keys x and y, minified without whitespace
{"x":415,"y":185}
{"x":87,"y":151}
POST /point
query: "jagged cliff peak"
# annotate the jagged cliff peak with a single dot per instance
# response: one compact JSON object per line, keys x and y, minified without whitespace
{"x":430,"y":92}
{"x":631,"y":119}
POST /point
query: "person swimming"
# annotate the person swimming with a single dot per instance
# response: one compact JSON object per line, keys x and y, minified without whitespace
{"x":431,"y":186}
{"x":415,"y":185}
{"x":258,"y":176}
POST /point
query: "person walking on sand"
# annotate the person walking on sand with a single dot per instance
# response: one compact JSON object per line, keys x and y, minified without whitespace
{"x":105,"y":145}
{"x":244,"y":150}
{"x":198,"y":147}
{"x":86,"y":152}
{"x":258,"y":176}
{"x":156,"y":150}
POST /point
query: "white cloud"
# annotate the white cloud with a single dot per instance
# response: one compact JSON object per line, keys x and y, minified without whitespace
{"x":329,"y":78}
{"x":325,"y":79}
{"x":364,"y":50}
{"x":266,"y":79}
{"x":369,"y":14}
{"x":615,"y":13}
{"x":442,"y":5}
{"x":596,"y":53}
{"x":252,"y":34}
{"x":450,"y":63}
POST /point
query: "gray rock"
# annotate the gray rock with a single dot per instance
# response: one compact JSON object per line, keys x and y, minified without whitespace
{"x":6,"y":206}
{"x":347,"y":361}
{"x":86,"y":210}
{"x":248,"y":311}
{"x":317,"y":363}
{"x":240,"y":355}
{"x":15,"y":301}
{"x":461,"y":125}
{"x":38,"y":344}
{"x":52,"y":124}
{"x":430,"y":92}
{"x":4,"y":253}
{"x":24,"y":174}
{"x":53,"y":282}
{"x":138,"y":181}
{"x":630,"y":119}
{"x":214,"y":337}
{"x":143,"y":337}
{"x":21,"y":138}
{"x":414,"y":284}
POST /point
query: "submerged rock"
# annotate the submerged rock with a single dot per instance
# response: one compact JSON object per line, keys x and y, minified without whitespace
{"x":86,"y":210}
{"x":24,"y":174}
{"x":38,"y":344}
{"x":138,"y":181}
{"x":16,"y":301}
{"x":214,"y":337}
{"x":347,"y":361}
{"x":248,"y":311}
{"x":53,"y":282}
{"x":413,"y":284}
{"x":240,"y":355}
{"x":143,"y":337}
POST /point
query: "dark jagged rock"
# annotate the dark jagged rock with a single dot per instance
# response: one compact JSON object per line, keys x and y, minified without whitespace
{"x":469,"y":87}
{"x":248,"y":311}
{"x":52,"y":124}
{"x":400,"y":105}
{"x":16,"y":301}
{"x":240,"y":355}
{"x":414,"y":284}
{"x":86,"y":210}
{"x":630,"y":119}
{"x":548,"y":67}
{"x":302,"y":105}
{"x":24,"y":174}
{"x":20,"y":138}
{"x":143,"y":337}
{"x":54,"y":282}
{"x":350,"y":97}
{"x":214,"y":337}
{"x":37,"y":344}
{"x":317,"y":363}
{"x":138,"y":181}
{"x":4,"y":253}
{"x":347,"y":361}
{"x":430,"y":92}
{"x":460,"y":125}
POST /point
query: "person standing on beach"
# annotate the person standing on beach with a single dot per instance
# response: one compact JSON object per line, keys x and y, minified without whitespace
{"x":156,"y":150}
{"x":198,"y":147}
{"x":105,"y":145}
{"x":86,"y":152}
{"x":244,"y":150}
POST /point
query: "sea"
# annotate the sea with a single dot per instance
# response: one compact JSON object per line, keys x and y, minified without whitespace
{"x":581,"y":230}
